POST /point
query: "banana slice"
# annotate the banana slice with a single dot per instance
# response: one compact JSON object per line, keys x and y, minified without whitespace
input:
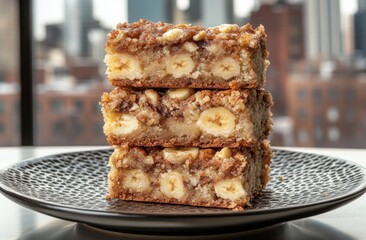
{"x":136,"y":180}
{"x":226,"y":68}
{"x":217,"y":121}
{"x":152,"y":96}
{"x":190,"y":46}
{"x":180,"y":93}
{"x":179,"y":155}
{"x":182,"y":129}
{"x":123,"y":65}
{"x":125,"y":124}
{"x":231,"y":189}
{"x":171,"y":185}
{"x":224,"y":153}
{"x":180,"y":65}
{"x":214,"y":49}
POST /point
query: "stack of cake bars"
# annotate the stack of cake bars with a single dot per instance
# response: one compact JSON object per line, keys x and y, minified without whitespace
{"x":188,"y":116}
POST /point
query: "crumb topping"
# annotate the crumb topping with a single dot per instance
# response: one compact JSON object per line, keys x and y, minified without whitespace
{"x":144,"y":34}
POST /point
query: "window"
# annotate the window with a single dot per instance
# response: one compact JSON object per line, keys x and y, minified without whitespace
{"x":319,"y":132}
{"x":301,"y":94}
{"x":350,"y":114}
{"x":78,"y":129}
{"x":317,"y":96}
{"x":332,"y":114}
{"x":332,"y":94}
{"x":303,"y":136}
{"x":69,"y":74}
{"x":59,"y":128}
{"x":56,"y":105}
{"x":333,"y":134}
{"x":349,"y":94}
{"x":301,"y":114}
{"x":2,"y":107}
{"x":79,"y":106}
{"x":69,"y":53}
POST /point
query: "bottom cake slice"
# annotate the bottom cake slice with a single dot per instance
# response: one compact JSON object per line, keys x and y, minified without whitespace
{"x":219,"y":177}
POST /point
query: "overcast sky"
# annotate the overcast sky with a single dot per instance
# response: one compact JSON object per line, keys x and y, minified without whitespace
{"x":109,"y":12}
{"x":113,"y":11}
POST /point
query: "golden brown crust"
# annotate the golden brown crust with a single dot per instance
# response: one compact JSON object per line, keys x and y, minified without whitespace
{"x":186,"y":82}
{"x":239,"y":205}
{"x":173,"y":122}
{"x":200,"y":174}
{"x":150,"y":49}
{"x":145,"y":34}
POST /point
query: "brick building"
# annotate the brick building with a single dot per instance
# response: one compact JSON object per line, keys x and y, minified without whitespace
{"x":284,"y":26}
{"x":9,"y":117}
{"x":69,"y":118}
{"x":328,"y":113}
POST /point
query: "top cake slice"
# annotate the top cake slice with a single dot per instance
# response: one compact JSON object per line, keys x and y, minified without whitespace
{"x":161,"y":55}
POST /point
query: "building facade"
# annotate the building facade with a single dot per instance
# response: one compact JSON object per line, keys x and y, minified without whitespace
{"x":9,"y":118}
{"x":328,"y":113}
{"x":284,"y":26}
{"x":323,"y":36}
{"x":360,"y":29}
{"x":64,"y":118}
{"x":78,"y":22}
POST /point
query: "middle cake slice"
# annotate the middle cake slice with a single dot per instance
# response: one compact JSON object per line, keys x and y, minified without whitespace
{"x":186,"y":117}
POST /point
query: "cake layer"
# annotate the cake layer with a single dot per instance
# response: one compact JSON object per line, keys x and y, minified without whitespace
{"x":161,"y":55}
{"x":227,"y":178}
{"x":184,"y":117}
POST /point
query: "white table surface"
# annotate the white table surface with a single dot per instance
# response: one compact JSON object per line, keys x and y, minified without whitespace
{"x":16,"y":222}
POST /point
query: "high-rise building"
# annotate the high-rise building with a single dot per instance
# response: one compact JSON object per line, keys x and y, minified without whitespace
{"x":78,"y":22}
{"x":216,"y":12}
{"x":323,"y":37}
{"x":361,"y":4}
{"x":284,"y":26}
{"x":157,"y":10}
{"x":194,"y":11}
{"x":360,"y":29}
{"x":54,"y":35}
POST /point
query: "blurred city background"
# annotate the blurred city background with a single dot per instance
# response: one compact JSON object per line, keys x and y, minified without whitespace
{"x":317,"y":74}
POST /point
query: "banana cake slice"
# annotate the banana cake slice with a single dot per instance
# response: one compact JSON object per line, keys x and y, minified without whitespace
{"x":220,"y":177}
{"x":185,"y":117}
{"x":162,"y":55}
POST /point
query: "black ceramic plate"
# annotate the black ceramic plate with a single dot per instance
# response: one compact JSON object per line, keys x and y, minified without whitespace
{"x":73,"y":186}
